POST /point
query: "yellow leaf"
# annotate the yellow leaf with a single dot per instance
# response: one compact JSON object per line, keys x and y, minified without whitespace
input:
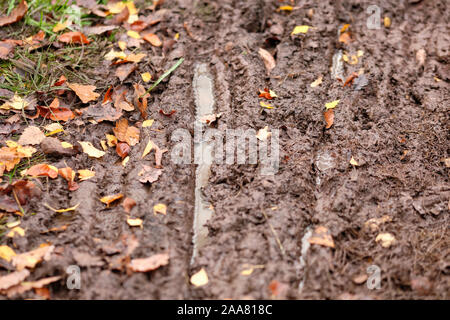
{"x":133,"y":34}
{"x":125,"y":161}
{"x":146,"y":77}
{"x":285,"y":8}
{"x":149,"y":147}
{"x":86,"y":174}
{"x":265,"y":105}
{"x":53,"y":132}
{"x":103,"y":144}
{"x":6,"y":253}
{"x":122,"y":45}
{"x":353,"y":162}
{"x":66,"y":145}
{"x":16,"y":231}
{"x":147,"y":123}
{"x":200,"y":278}
{"x":61,"y":26}
{"x":344,"y":28}
{"x":111,"y":139}
{"x":332,"y":104}
{"x":62,"y":210}
{"x":159,"y":208}
{"x":387,"y":22}
{"x":13,"y":224}
{"x":300,"y":29}
{"x":116,"y":7}
{"x":110,"y":199}
{"x":91,"y":150}
{"x":135,"y":222}
{"x":177,"y":36}
{"x":115,"y":54}
{"x":133,"y":18}
{"x":53,"y":127}
{"x":247,"y":272}
{"x":16,"y":103}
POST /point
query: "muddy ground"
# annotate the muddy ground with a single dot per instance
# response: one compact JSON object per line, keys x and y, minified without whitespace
{"x":396,"y":127}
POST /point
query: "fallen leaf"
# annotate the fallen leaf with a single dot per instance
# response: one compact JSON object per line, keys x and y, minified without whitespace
{"x":6,"y":48}
{"x":73,"y":37}
{"x":268,"y":59}
{"x":300,"y":29}
{"x":149,"y":174}
{"x":84,"y":92}
{"x":149,"y":123}
{"x":84,"y":259}
{"x":110,"y":199}
{"x":91,"y":150}
{"x":25,"y":190}
{"x":52,"y":127}
{"x":42,"y":169}
{"x":150,"y":263}
{"x":122,"y":45}
{"x":62,"y":210}
{"x":345,"y":37}
{"x":386,"y":239}
{"x":267,"y":94}
{"x":278,"y":289}
{"x":123,"y":15}
{"x":160,"y":208}
{"x":31,"y":258}
{"x":332,"y":104}
{"x":98,"y":29}
{"x":135,"y":222}
{"x":125,"y":70}
{"x":265,"y":105}
{"x":16,"y":14}
{"x":16,"y":103}
{"x":13,"y":279}
{"x":353,"y":162}
{"x":329,"y":118}
{"x":387,"y":22}
{"x":360,"y":279}
{"x":54,"y":147}
{"x":421,"y":56}
{"x":125,"y":133}
{"x":16,"y":231}
{"x":322,"y":236}
{"x":6,"y":253}
{"x":146,"y":76}
{"x":153,"y":39}
{"x":123,"y":149}
{"x":263,"y":134}
{"x":26,"y":286}
{"x":85,"y":174}
{"x":68,"y":174}
{"x":121,"y":103}
{"x":31,"y":135}
{"x":285,"y":8}
{"x":133,"y":34}
{"x":200,"y":278}
{"x":128,"y":204}
{"x":167,"y":114}
{"x":111,"y":55}
{"x":108,"y":95}
{"x":374,"y":223}
{"x":317,"y":82}
{"x":140,"y":99}
{"x":61,"y":26}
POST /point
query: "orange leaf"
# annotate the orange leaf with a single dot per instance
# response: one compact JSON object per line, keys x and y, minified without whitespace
{"x":125,"y":133}
{"x":73,"y":37}
{"x":345,"y":37}
{"x":153,"y":39}
{"x":42,"y":169}
{"x":322,"y":236}
{"x":110,"y":199}
{"x":122,"y":149}
{"x":16,"y":14}
{"x":68,"y":174}
{"x":84,"y":92}
{"x":128,"y":204}
{"x":108,"y":95}
{"x":54,"y":112}
{"x":329,"y":118}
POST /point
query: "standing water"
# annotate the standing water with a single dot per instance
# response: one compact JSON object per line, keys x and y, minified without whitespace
{"x":204,"y":105}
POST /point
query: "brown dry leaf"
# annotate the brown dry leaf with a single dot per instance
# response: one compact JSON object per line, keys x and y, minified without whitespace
{"x":119,"y":18}
{"x":322,"y":236}
{"x":13,"y":279}
{"x":121,"y":102}
{"x":105,"y":113}
{"x":108,"y":95}
{"x":140,"y":99}
{"x":54,"y":147}
{"x":16,"y":14}
{"x":73,"y":37}
{"x":125,"y":70}
{"x":12,"y":154}
{"x":125,"y":133}
{"x":153,"y":39}
{"x":150,"y":263}
{"x":84,"y":259}
{"x":360,"y":279}
{"x":98,"y":29}
{"x":25,"y":190}
{"x":345,"y":37}
{"x":6,"y":48}
{"x":31,"y":135}
{"x":200,"y":278}
{"x":110,"y":199}
{"x":42,"y":169}
{"x":6,"y":253}
{"x":61,"y":26}
{"x":26,"y":286}
{"x":317,"y":82}
{"x":55,"y":112}
{"x":267,"y":58}
{"x":128,"y":204}
{"x":149,"y":174}
{"x":329,"y":118}
{"x":91,"y":150}
{"x":68,"y":174}
{"x":31,"y":258}
{"x":84,"y":92}
{"x":278,"y":289}
{"x":123,"y":149}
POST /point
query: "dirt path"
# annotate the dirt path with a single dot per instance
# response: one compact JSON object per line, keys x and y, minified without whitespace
{"x":396,"y":127}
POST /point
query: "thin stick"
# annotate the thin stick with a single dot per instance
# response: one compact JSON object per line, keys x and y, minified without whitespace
{"x":274,"y":233}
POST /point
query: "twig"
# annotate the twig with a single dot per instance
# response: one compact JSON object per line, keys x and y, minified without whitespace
{"x":274,"y":233}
